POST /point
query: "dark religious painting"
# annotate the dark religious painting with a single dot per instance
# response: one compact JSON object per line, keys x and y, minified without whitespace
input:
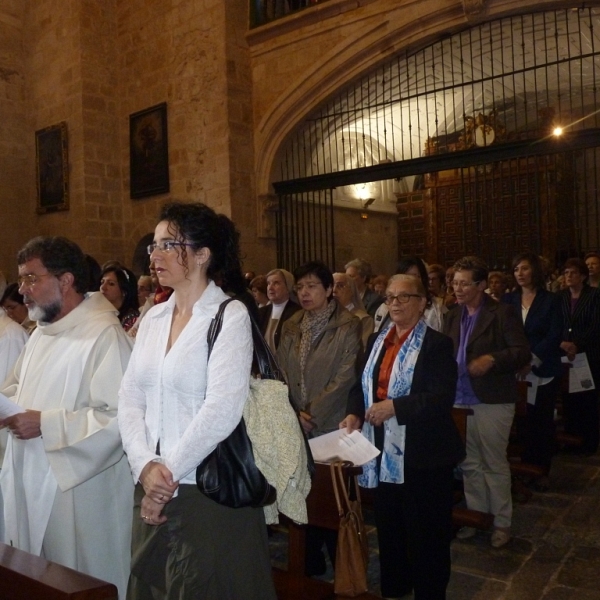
{"x":149,"y":152}
{"x":52,"y":164}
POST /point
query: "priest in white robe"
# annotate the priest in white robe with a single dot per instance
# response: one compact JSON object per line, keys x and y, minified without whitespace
{"x":66,"y":483}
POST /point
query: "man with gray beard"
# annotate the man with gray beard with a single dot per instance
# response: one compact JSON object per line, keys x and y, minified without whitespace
{"x":68,"y":494}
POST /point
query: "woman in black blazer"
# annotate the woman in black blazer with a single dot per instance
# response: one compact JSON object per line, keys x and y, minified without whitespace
{"x":404,"y":404}
{"x":581,"y":333}
{"x":542,"y":322}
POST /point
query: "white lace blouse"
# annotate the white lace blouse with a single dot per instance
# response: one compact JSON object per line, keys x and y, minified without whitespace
{"x":176,"y":398}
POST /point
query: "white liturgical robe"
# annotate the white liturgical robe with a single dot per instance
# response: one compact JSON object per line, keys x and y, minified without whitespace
{"x":68,"y":494}
{"x":12,"y":339}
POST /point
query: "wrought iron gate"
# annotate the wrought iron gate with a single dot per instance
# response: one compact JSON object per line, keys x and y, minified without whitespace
{"x":305,"y":229}
{"x":496,"y":127}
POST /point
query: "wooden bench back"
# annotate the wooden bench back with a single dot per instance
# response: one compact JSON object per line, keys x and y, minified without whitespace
{"x":24,"y":576}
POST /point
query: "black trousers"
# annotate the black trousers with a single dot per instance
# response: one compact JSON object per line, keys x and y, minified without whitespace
{"x":414,"y":528}
{"x":539,"y":429}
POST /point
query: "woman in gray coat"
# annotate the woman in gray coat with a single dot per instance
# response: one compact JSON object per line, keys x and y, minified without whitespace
{"x":318,"y":352}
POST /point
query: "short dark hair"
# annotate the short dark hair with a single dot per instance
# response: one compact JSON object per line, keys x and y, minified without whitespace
{"x":577,"y":263}
{"x":201,"y":227}
{"x":317,"y":268}
{"x":128,"y":286}
{"x":95,"y":272}
{"x":405,"y":263}
{"x":538,"y":278}
{"x":476,"y":265}
{"x":59,"y":255}
{"x":11,"y":293}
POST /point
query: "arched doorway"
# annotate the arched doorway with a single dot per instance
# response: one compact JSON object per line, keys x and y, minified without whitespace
{"x":459,"y":143}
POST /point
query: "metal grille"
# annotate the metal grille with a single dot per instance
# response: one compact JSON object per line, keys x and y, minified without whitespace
{"x":305,"y":229}
{"x":586,"y":165}
{"x":520,"y":78}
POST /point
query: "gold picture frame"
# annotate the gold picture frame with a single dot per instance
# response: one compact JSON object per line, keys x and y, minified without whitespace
{"x":148,"y":152}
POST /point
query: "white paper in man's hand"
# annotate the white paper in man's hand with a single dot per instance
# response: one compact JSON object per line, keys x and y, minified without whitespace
{"x":340,"y":445}
{"x":8,"y":408}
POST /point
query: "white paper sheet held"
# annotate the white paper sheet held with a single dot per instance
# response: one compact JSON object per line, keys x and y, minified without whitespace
{"x":580,"y":376}
{"x":533,"y":381}
{"x":339,"y":445}
{"x":8,"y":408}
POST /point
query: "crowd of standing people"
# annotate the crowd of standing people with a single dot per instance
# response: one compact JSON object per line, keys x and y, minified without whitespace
{"x":118,"y":400}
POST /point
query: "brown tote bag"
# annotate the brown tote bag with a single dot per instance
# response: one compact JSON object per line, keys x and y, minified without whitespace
{"x":352,"y":554}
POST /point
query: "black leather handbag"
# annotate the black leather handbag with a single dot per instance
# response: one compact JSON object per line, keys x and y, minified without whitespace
{"x":229,"y":475}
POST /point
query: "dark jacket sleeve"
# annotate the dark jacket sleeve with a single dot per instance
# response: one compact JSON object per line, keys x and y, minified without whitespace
{"x":546,"y":345}
{"x":583,"y":328}
{"x":516,"y":352}
{"x":432,"y":439}
{"x":264,"y":314}
{"x":499,"y":333}
{"x":434,"y":383}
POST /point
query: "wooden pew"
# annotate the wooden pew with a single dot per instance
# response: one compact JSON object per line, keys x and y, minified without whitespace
{"x":24,"y":576}
{"x":322,"y":512}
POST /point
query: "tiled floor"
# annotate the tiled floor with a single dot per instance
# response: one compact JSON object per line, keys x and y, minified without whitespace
{"x":554,"y":553}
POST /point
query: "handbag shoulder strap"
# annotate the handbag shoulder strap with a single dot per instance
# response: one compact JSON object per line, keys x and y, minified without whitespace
{"x":266,"y":362}
{"x":334,"y":467}
{"x":216,"y":324}
{"x":339,"y":486}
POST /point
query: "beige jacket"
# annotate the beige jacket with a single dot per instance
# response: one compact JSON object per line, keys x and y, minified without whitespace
{"x":331,"y":367}
{"x":278,"y":447}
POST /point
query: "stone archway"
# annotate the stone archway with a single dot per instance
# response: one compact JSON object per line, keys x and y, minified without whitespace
{"x":369,"y":37}
{"x":474,"y":113}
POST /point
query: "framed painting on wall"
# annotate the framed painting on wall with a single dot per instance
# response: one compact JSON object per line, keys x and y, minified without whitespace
{"x":52,"y":165}
{"x":148,"y":152}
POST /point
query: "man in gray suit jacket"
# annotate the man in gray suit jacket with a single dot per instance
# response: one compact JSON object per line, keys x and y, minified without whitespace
{"x":490,"y":347}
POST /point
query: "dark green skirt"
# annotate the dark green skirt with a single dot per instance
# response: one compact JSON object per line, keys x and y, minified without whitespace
{"x":204,"y":551}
